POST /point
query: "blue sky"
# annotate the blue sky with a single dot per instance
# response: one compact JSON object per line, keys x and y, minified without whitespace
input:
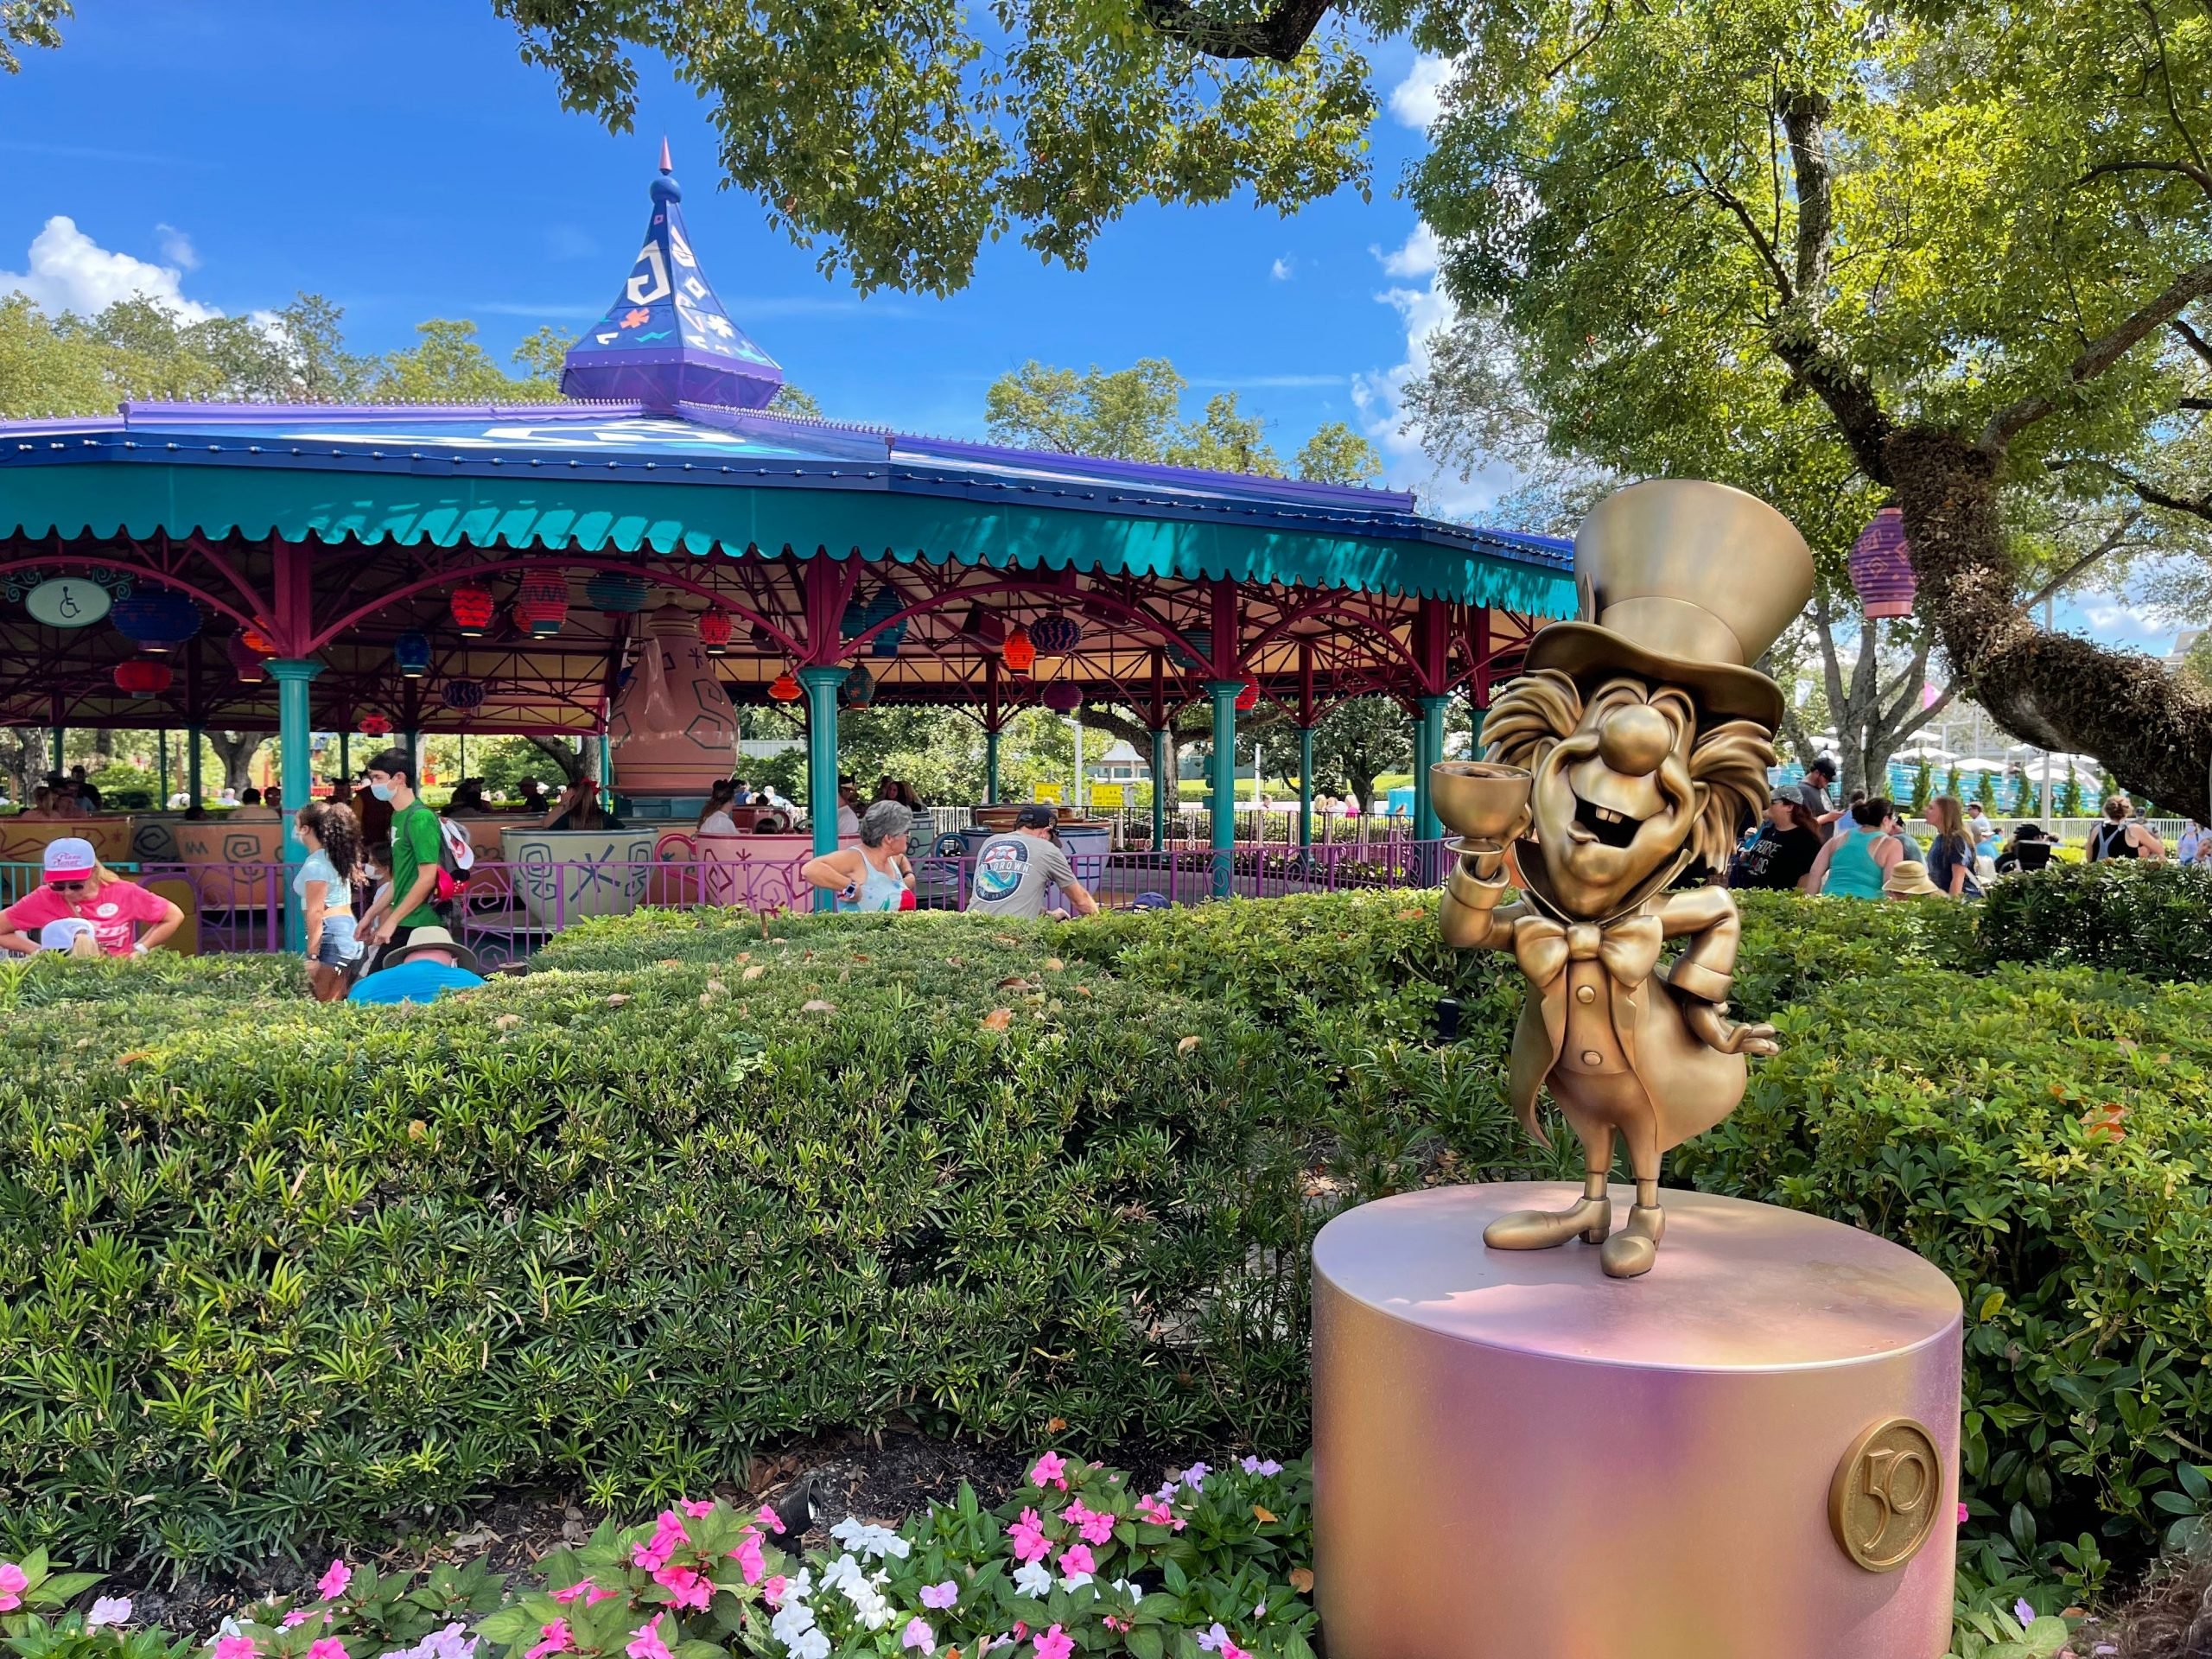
{"x":399,"y":158}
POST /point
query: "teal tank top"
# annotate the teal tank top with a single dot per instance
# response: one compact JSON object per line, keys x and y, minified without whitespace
{"x":1852,"y":871}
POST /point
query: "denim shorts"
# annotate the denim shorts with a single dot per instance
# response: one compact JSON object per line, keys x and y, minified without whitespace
{"x":338,"y":946}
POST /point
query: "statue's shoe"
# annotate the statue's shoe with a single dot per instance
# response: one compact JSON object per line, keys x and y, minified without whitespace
{"x":1631,"y":1252}
{"x":1545,"y":1230}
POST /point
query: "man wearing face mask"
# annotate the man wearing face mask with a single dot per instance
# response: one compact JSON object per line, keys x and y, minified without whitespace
{"x":415,"y":844}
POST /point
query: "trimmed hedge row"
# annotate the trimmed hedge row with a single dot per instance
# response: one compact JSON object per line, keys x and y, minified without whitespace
{"x":2151,"y":919}
{"x":275,"y":1270}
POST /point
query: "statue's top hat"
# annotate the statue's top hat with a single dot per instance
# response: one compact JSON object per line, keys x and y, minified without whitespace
{"x":1687,"y":582}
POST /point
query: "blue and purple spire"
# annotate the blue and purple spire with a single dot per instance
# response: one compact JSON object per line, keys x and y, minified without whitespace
{"x":667,"y":338}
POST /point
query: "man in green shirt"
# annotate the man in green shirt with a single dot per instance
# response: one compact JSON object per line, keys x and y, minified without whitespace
{"x":415,"y":845}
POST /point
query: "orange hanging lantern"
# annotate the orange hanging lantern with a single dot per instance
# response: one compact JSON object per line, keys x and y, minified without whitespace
{"x":257,"y":641}
{"x":1020,"y":654}
{"x":473,"y":609}
{"x":1248,"y":698}
{"x":784,"y":688}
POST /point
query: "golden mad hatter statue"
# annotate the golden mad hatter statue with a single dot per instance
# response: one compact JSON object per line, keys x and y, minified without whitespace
{"x":1637,"y":740}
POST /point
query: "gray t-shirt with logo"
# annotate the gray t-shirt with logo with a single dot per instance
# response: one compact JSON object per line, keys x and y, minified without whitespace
{"x":1011,"y":873}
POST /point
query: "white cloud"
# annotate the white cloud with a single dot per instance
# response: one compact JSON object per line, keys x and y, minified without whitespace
{"x":1281,"y":271}
{"x":1419,"y":256}
{"x":69,"y":271}
{"x":1418,"y":100}
{"x":176,"y":247}
{"x":2113,"y":620}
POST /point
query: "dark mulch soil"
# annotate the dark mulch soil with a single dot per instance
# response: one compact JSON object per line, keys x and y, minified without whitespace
{"x":879,"y":1478}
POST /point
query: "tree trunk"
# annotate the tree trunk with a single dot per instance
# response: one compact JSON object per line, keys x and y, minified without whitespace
{"x":556,"y":750}
{"x":2152,"y":729}
{"x":236,"y":750}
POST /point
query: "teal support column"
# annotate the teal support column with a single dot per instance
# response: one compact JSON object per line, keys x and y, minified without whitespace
{"x":605,"y":773}
{"x":192,"y":763}
{"x":162,"y":786}
{"x":345,"y":755}
{"x":1427,"y":751}
{"x":293,"y":676}
{"x":991,"y":767}
{"x":1221,"y":770}
{"x":1305,"y":786}
{"x":59,"y":732}
{"x":822,"y":682}
{"x":413,"y":743}
{"x":1161,"y":784}
{"x":1474,"y":737}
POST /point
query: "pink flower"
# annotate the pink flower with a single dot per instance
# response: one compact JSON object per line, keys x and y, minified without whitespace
{"x":1053,"y":1644}
{"x":591,"y":1594}
{"x":684,"y":1586}
{"x":1095,"y":1527}
{"x":773,"y":1592}
{"x":1051,"y":1469}
{"x":747,"y":1556}
{"x":13,"y":1582}
{"x":667,"y":1533}
{"x":918,"y":1634}
{"x":298,"y":1617}
{"x":1153,"y":1510}
{"x":940,"y":1596}
{"x":1963,"y":1515}
{"x":557,"y":1640}
{"x":1114,"y":1623}
{"x":328,"y":1647}
{"x":768,"y":1518}
{"x":235,"y":1647}
{"x":697,"y":1509}
{"x":1216,"y":1640}
{"x":336,"y":1577}
{"x":1076,"y":1558}
{"x":645,"y":1643}
{"x":1028,"y":1536}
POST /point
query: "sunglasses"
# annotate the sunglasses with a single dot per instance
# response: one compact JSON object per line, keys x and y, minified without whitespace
{"x":70,"y":886}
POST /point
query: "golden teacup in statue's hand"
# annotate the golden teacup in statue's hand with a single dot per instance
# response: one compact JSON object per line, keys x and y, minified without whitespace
{"x":1485,"y":802}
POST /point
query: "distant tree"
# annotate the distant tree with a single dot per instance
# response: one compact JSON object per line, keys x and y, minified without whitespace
{"x":2070,"y":804}
{"x":1336,"y":454}
{"x":544,"y":352}
{"x":449,"y":366}
{"x":1951,"y":782}
{"x":1356,"y":742}
{"x":795,"y":402}
{"x":30,"y":22}
{"x":1985,"y":791}
{"x":1923,"y":786}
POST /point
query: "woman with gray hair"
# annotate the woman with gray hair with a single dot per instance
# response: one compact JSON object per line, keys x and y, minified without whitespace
{"x":874,"y":875}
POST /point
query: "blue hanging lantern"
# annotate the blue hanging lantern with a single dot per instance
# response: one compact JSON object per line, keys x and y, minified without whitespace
{"x":464,"y":696}
{"x":861,"y":615}
{"x":1055,"y":635}
{"x":886,"y":644}
{"x":617,"y":592}
{"x":411,"y":651}
{"x":156,"y":620}
{"x":1200,"y":649}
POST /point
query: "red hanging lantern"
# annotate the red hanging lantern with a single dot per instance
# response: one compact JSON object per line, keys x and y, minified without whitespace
{"x":375,"y":726}
{"x":1020,"y":654}
{"x":542,"y":603}
{"x":715,"y":631}
{"x":785,"y":687}
{"x":251,"y":664}
{"x":1881,"y":566}
{"x":142,"y":679}
{"x":1248,"y":698}
{"x":473,"y":609}
{"x":1064,"y":697}
{"x":258,"y":641}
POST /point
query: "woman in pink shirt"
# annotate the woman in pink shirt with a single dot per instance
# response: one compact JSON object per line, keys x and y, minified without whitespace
{"x":77,"y":887}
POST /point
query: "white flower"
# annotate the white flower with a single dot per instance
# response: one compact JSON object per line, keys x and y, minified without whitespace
{"x":108,"y":1610}
{"x":801,"y":1587}
{"x":1033,"y":1578}
{"x":812,"y":1645}
{"x":229,"y":1626}
{"x":1128,"y":1589}
{"x":1075,"y":1581}
{"x":792,"y":1620}
{"x":877,"y":1542}
{"x":843,"y":1573}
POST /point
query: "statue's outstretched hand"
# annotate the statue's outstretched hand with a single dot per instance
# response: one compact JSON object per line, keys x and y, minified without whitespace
{"x":1709,"y":1024}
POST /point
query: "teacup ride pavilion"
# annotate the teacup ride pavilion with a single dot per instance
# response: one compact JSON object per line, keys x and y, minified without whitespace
{"x":636,"y":564}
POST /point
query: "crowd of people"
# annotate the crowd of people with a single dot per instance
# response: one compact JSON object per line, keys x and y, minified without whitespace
{"x":1864,"y":849}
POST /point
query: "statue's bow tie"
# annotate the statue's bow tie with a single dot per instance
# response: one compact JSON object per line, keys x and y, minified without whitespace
{"x":1629,"y":947}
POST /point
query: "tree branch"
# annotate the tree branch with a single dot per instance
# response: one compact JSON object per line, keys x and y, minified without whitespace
{"x":2196,"y":342}
{"x":2099,"y":355}
{"x":1728,"y":199}
{"x":1803,"y":114}
{"x":1280,"y":36}
{"x":2199,"y":506}
{"x":2110,"y":539}
{"x":2187,"y":169}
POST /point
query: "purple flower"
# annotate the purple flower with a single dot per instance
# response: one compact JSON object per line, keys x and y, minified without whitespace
{"x":940,"y":1596}
{"x":2022,"y":1611}
{"x":1261,"y":1467}
{"x":1195,"y":1476}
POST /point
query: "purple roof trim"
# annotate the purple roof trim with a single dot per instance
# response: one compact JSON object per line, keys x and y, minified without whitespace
{"x":1360,"y":496}
{"x":570,"y":408}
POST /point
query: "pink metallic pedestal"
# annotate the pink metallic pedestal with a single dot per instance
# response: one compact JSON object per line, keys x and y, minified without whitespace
{"x":1517,"y":1458}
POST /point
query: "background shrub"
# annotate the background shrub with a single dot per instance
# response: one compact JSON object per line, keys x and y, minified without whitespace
{"x":2152,"y":919}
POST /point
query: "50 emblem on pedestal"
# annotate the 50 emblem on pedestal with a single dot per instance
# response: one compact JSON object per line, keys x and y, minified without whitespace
{"x":1882,"y":1503}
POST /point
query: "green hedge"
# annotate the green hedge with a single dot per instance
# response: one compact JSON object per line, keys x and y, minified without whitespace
{"x":274,"y":1269}
{"x":2151,"y":919}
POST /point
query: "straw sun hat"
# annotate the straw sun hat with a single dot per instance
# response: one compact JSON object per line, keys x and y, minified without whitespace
{"x":1908,"y":879}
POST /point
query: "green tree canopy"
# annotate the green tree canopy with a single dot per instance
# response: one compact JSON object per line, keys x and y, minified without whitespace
{"x":1136,"y":414}
{"x":1945,"y":252}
